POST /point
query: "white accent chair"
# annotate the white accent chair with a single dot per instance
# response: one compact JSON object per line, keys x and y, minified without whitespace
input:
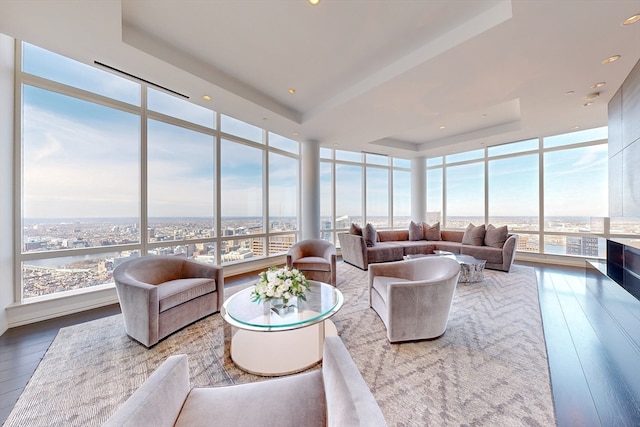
{"x":413,"y":297}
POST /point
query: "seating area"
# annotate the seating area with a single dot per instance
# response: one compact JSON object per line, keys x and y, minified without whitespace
{"x":159,"y":295}
{"x":335,"y":395}
{"x":413,"y":298}
{"x":362,"y":246}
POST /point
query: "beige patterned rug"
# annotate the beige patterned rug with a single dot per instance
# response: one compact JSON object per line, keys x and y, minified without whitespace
{"x":489,"y":369}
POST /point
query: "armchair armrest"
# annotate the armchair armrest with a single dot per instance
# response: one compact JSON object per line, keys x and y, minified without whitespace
{"x":509,"y":252}
{"x":354,"y":250}
{"x":140,"y":301}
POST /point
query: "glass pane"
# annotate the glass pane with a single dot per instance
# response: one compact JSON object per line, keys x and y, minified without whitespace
{"x":467,"y":155}
{"x":180,"y":182}
{"x":241,"y":185}
{"x":378,"y":197}
{"x":587,"y":246}
{"x":401,"y":198}
{"x":627,"y":225}
{"x":326,"y":153}
{"x":283,"y":192}
{"x":434,"y":195}
{"x":326,"y":195}
{"x":348,"y":194}
{"x":514,"y":192}
{"x":465,"y":195}
{"x":514,"y":147}
{"x":401,"y":163}
{"x":281,"y":243}
{"x":349,"y":156}
{"x":575,"y":188}
{"x":376,"y":159}
{"x":80,"y":162}
{"x":180,"y":108}
{"x":241,"y":249}
{"x":435,"y":161}
{"x":239,"y":128}
{"x":204,"y":252}
{"x":52,"y":66}
{"x":283,"y":143}
{"x":576,"y":137}
{"x":52,"y":275}
{"x":528,"y":243}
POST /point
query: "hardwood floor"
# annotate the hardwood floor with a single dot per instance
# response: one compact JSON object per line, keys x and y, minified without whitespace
{"x":591,"y":325}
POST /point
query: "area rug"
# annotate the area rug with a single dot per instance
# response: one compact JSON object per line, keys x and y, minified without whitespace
{"x":488,"y":369}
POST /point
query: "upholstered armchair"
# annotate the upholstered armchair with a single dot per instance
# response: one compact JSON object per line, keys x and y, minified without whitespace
{"x":315,"y":258}
{"x":161,"y":294}
{"x":413,"y":298}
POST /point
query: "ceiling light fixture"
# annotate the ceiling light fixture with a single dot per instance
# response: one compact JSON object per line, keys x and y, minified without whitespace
{"x":632,"y":19}
{"x":575,"y":127}
{"x":597,"y":85}
{"x":587,"y":104}
{"x":314,"y":2}
{"x":295,"y":134}
{"x":292,"y":90}
{"x":206,"y":97}
{"x":611,"y":59}
{"x":591,"y":96}
{"x":442,"y":127}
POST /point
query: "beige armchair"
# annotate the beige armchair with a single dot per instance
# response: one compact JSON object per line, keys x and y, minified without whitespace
{"x":336,"y":395}
{"x":161,"y":294}
{"x":413,"y":298}
{"x":315,"y":258}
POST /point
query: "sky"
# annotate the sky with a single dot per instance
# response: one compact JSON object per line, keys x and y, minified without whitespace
{"x":81,"y":159}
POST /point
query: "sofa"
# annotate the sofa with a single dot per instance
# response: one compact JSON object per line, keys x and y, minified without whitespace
{"x":363,"y":246}
{"x":335,"y":395}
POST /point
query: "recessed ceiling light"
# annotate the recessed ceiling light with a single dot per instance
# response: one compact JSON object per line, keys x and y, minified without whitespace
{"x":292,"y":90}
{"x":484,"y":115}
{"x":569,"y":92}
{"x":442,"y":127}
{"x":597,"y":85}
{"x":206,"y":98}
{"x":593,"y":95}
{"x":295,"y":134}
{"x":632,"y":19}
{"x":314,"y":2}
{"x":587,"y":104}
{"x":610,"y":59}
{"x":575,"y":127}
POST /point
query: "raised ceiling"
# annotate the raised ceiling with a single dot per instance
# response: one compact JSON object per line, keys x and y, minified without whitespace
{"x":403,"y":78}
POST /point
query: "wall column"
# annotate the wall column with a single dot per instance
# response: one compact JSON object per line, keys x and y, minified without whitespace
{"x":310,"y":179}
{"x":418,"y":189}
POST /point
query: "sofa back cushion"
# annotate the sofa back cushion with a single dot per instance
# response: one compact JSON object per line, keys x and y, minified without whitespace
{"x":432,"y":232}
{"x":393,"y":235}
{"x":370,"y":235}
{"x":495,"y":237}
{"x":415,"y":231}
{"x":474,"y":235}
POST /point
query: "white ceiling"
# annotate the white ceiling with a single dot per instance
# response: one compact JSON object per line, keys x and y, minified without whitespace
{"x":378,"y":76}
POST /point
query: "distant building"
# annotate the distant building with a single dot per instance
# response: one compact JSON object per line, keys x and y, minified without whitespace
{"x":584,"y":246}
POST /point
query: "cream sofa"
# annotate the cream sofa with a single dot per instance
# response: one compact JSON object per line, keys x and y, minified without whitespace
{"x":393,"y":245}
{"x":335,"y":395}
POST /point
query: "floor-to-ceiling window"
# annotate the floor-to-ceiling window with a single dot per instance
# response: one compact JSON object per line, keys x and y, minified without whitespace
{"x":113,"y":168}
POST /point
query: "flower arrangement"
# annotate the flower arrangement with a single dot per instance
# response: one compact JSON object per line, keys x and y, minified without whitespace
{"x":281,"y":283}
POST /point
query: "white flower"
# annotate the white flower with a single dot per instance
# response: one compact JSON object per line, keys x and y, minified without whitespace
{"x":280,"y":283}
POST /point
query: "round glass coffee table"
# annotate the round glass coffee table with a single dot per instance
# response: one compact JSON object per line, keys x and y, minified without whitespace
{"x":266,"y":343}
{"x":471,"y":269}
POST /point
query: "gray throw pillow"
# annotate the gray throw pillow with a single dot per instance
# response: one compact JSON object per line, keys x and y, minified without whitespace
{"x":431,"y":232}
{"x":495,"y":237}
{"x":355,"y":229}
{"x":473,"y":235}
{"x":370,"y":235}
{"x":415,"y":231}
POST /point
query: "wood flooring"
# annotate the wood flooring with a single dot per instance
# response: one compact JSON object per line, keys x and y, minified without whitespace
{"x":591,"y":326}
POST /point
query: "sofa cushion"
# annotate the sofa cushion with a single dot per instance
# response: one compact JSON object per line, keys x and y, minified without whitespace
{"x":370,"y":235}
{"x":487,"y":253}
{"x":355,"y":229}
{"x":419,"y":247}
{"x":295,"y":400}
{"x":415,"y":231}
{"x":495,"y":237}
{"x":384,"y":251}
{"x":473,"y":235}
{"x":431,"y":232}
{"x":176,"y":292}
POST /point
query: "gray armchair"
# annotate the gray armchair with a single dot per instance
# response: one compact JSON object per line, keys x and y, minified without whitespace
{"x":315,"y":258}
{"x":161,"y":294}
{"x":334,"y":396}
{"x":413,"y":298}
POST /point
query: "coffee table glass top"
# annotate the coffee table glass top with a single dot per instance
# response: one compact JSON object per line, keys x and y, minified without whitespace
{"x":323,"y":301}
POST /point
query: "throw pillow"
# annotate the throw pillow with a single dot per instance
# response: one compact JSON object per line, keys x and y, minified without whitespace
{"x":415,"y":231}
{"x":355,"y":229}
{"x":496,"y":237}
{"x":370,"y":235}
{"x":473,"y":235}
{"x":432,"y":232}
